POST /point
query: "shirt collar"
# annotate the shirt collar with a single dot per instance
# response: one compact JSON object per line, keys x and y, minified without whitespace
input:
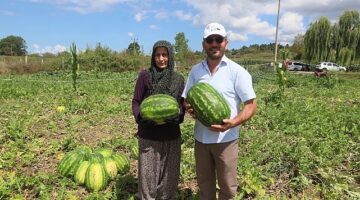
{"x":224,"y":62}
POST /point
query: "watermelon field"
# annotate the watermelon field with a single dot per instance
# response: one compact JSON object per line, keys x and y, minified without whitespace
{"x":303,"y":143}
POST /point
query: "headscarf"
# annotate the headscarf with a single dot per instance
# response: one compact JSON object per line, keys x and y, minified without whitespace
{"x":164,"y":81}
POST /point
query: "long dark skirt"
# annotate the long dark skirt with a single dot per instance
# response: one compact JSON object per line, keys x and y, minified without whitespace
{"x":158,"y":168}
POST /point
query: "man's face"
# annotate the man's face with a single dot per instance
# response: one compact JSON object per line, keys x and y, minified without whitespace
{"x":215,"y":46}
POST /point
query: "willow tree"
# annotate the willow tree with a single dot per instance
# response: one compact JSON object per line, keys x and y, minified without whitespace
{"x":317,"y":40}
{"x":339,"y":42}
{"x":349,"y":35}
{"x":356,"y":47}
{"x":348,"y":22}
{"x":334,"y":43}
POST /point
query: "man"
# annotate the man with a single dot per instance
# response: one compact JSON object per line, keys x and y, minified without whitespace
{"x":216,"y":147}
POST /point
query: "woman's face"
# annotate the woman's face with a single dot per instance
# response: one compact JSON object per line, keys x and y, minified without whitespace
{"x":161,"y":57}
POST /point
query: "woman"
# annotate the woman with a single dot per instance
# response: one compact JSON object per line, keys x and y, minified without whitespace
{"x":159,"y":145}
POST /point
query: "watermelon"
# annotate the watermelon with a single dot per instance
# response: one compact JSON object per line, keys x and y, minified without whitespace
{"x":159,"y":107}
{"x":110,"y":167}
{"x":85,"y":150}
{"x":104,"y":151}
{"x":96,"y":178}
{"x":80,"y":173}
{"x":96,"y":157}
{"x":93,"y":168}
{"x":71,"y":161}
{"x":135,"y":151}
{"x":208,"y":104}
{"x":122,"y":162}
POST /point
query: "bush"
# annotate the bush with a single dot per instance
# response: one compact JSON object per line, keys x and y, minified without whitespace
{"x":353,"y":68}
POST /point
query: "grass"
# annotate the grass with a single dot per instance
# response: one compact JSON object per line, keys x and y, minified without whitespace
{"x":302,"y":144}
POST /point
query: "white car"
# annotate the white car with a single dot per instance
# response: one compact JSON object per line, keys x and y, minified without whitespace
{"x":296,"y":66}
{"x":330,"y":66}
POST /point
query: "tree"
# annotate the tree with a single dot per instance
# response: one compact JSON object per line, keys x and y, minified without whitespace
{"x":13,"y":46}
{"x":317,"y":40}
{"x":339,"y":42}
{"x":101,"y":58}
{"x":349,"y":35}
{"x":181,"y":48}
{"x":297,"y":48}
{"x":134,"y":48}
{"x":348,"y":22}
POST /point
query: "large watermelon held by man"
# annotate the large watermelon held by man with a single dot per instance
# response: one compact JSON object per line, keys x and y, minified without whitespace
{"x":159,"y":107}
{"x":208,"y":104}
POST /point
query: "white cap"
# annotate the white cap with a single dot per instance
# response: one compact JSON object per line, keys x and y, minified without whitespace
{"x":214,"y":29}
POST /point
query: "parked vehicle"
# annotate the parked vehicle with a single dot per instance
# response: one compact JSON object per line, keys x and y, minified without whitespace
{"x":353,"y":68}
{"x":329,"y":66}
{"x":297,"y":66}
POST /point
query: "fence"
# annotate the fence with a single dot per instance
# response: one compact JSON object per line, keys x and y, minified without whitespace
{"x":30,"y":64}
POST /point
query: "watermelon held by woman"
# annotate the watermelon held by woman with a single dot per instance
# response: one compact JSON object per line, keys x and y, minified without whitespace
{"x":208,"y":104}
{"x":159,"y":107}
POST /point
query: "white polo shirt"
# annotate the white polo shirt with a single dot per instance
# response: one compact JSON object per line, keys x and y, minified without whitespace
{"x":234,"y":83}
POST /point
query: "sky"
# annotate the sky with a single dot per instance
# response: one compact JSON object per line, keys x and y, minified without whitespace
{"x":52,"y":25}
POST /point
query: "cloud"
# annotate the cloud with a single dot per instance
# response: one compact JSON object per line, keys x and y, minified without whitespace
{"x":183,"y":16}
{"x":84,"y":6}
{"x":161,"y":15}
{"x":236,"y":36}
{"x":290,"y":25}
{"x":154,"y":27}
{"x":48,"y":49}
{"x":139,"y":17}
{"x":131,"y":34}
{"x":7,"y":13}
{"x":258,"y":17}
{"x":243,"y":18}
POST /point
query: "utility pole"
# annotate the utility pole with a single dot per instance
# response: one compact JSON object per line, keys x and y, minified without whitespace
{"x":276,"y":36}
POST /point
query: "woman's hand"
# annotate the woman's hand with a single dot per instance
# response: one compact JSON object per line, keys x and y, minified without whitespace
{"x":189,"y":109}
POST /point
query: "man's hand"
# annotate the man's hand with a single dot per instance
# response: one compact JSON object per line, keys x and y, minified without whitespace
{"x":228,"y":123}
{"x":247,"y":112}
